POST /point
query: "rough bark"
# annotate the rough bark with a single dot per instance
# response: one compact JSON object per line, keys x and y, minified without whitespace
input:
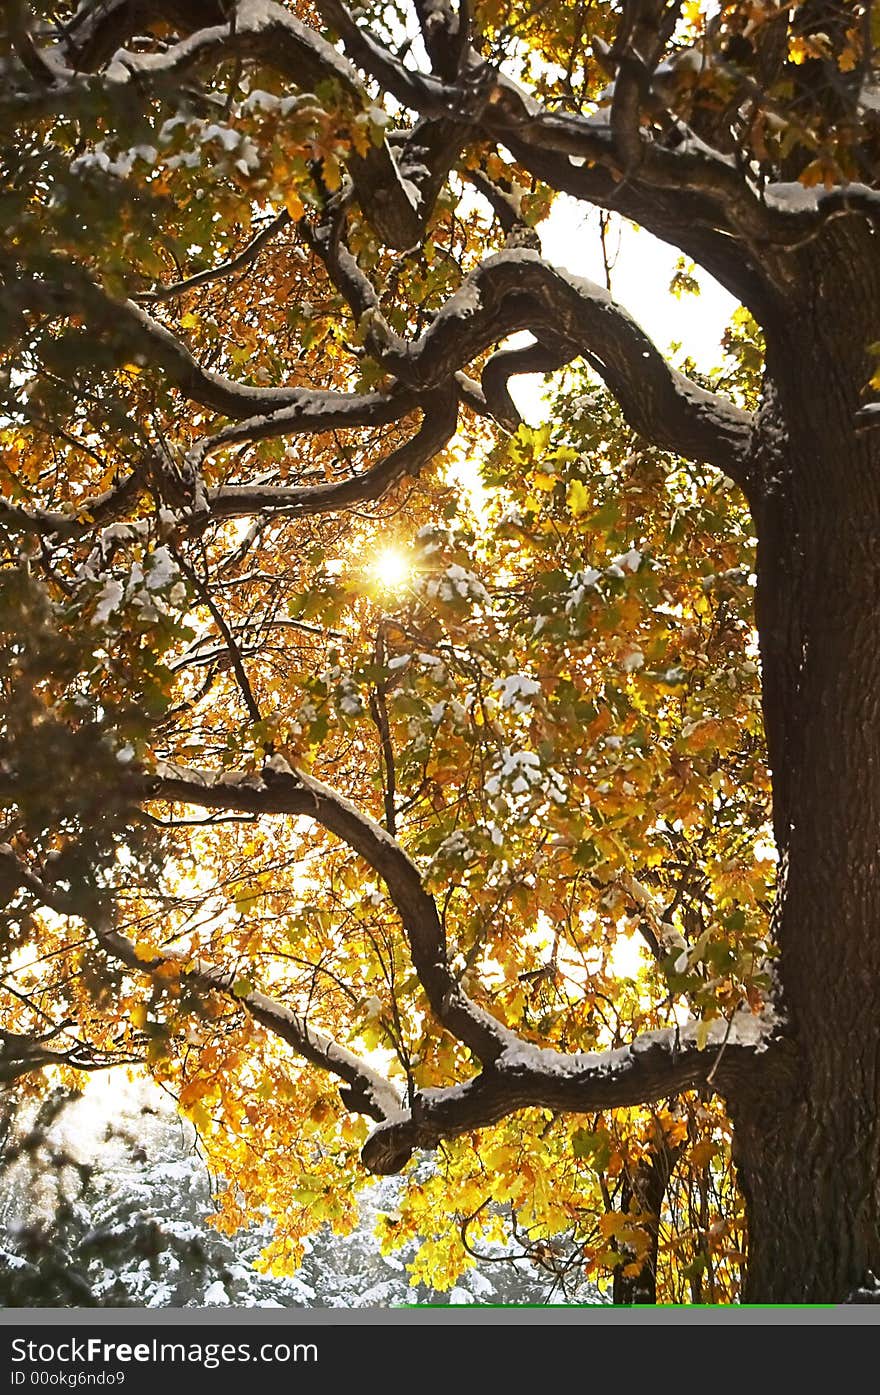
{"x":808,"y":1129}
{"x":643,"y":1195}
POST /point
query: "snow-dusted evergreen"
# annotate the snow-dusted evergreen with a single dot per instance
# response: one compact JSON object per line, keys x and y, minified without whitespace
{"x":104,"y":1199}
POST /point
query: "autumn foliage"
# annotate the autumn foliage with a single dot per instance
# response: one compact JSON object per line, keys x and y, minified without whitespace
{"x":374,"y":763}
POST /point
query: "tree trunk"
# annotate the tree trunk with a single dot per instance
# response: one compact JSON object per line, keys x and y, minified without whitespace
{"x":642,"y":1197}
{"x":808,"y":1129}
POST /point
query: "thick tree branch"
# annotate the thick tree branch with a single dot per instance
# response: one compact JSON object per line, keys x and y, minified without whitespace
{"x":142,"y":337}
{"x":518,"y":290}
{"x":195,"y":507}
{"x":509,"y":363}
{"x":515,"y":1074}
{"x":655,"y":1066}
{"x":279,"y":790}
{"x":439,"y":421}
{"x":367,"y":1090}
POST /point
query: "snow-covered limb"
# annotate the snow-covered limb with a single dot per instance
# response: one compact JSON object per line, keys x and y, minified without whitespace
{"x":283,"y":791}
{"x":515,"y":1073}
{"x":367,"y":1090}
{"x":439,"y":421}
{"x":868,"y":417}
{"x":146,"y":340}
{"x":267,"y":30}
{"x":396,"y":188}
{"x":518,"y":290}
{"x":310,"y":414}
{"x":512,"y":290}
{"x":204,"y":506}
{"x":656,"y":1065}
{"x":705,"y":183}
{"x":497,"y":107}
{"x":142,"y":333}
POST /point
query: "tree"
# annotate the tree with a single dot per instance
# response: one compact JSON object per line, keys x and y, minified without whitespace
{"x":260,"y":268}
{"x":125,"y":1225}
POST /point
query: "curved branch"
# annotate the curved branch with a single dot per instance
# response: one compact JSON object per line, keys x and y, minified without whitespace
{"x":440,"y":408}
{"x":201,"y":506}
{"x":280,"y":790}
{"x":99,"y":28}
{"x":367,"y":1090}
{"x":655,"y":1066}
{"x":516,"y":1074}
{"x":517,"y":290}
{"x":510,"y":363}
{"x":140,"y":335}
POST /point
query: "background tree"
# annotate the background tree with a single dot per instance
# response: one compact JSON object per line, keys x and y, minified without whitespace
{"x":259,"y":270}
{"x":127,"y":1225}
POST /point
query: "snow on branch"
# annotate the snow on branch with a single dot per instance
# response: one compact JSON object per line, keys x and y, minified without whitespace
{"x":515,"y":1074}
{"x":190,"y":507}
{"x":439,"y":421}
{"x":655,"y":1066}
{"x":367,"y":1090}
{"x":396,"y":187}
{"x":498,"y":108}
{"x":517,"y":290}
{"x":261,"y":29}
{"x":280,"y":790}
{"x":149,"y":342}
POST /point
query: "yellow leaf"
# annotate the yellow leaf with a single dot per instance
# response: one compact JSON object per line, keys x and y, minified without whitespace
{"x":577,"y":498}
{"x":294,"y":205}
{"x":332,"y":173}
{"x":703,"y":1152}
{"x":544,"y":481}
{"x":138,"y":1015}
{"x":612,"y":1223}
